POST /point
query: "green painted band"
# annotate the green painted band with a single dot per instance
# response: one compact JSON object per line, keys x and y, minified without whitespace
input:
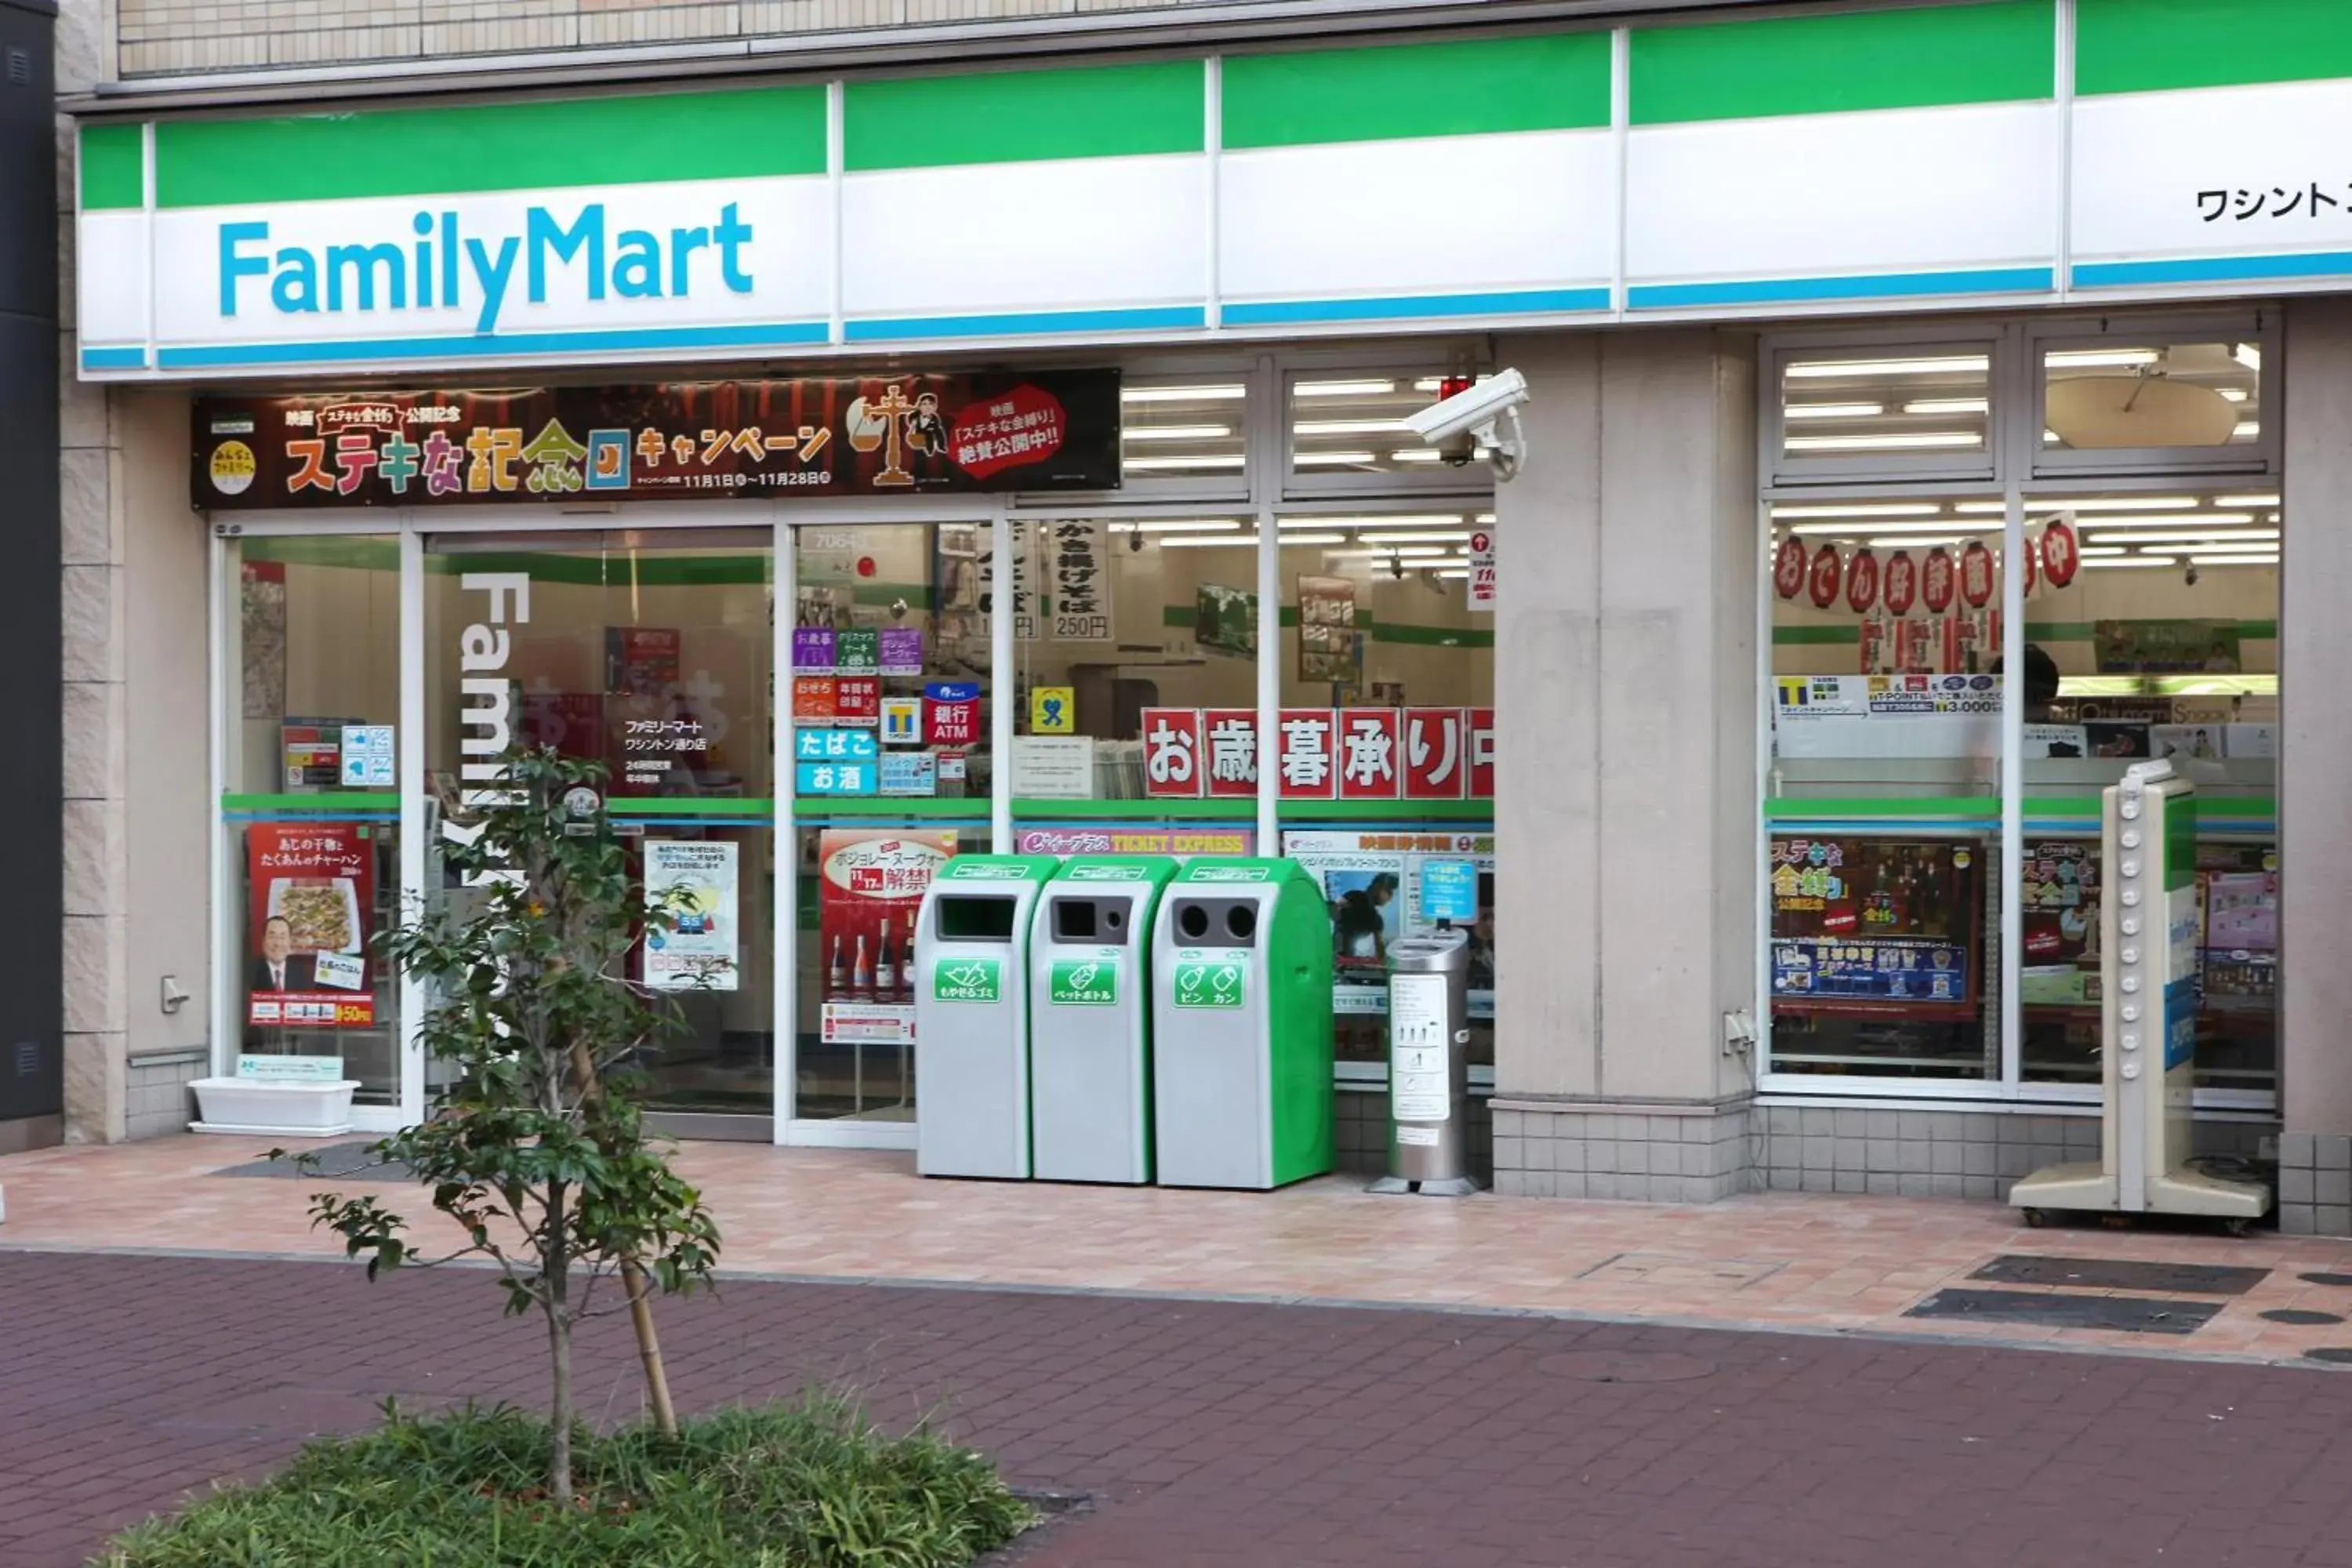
{"x":374,"y":800}
{"x":671,"y":805}
{"x":1826,"y":808}
{"x":1469,"y":87}
{"x":2152,"y":46}
{"x":911,"y":808}
{"x":1345,"y":811}
{"x":616,"y":140}
{"x":1156,"y":809}
{"x":1025,"y":116}
{"x":1999,"y":51}
{"x":113,"y":167}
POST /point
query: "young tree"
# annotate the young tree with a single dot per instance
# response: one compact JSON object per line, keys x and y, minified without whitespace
{"x":538,"y":1153}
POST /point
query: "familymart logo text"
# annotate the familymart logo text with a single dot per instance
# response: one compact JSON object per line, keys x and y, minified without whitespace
{"x":439,"y":265}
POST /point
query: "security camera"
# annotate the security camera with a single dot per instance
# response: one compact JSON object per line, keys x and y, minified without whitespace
{"x":1488,"y":411}
{"x":2189,"y":576}
{"x":1396,"y":568}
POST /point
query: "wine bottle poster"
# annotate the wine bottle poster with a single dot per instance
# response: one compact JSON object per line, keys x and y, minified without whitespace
{"x":696,"y":880}
{"x":870,"y":889}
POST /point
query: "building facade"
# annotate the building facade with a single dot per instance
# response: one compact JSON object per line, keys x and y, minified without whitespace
{"x":880,"y":435}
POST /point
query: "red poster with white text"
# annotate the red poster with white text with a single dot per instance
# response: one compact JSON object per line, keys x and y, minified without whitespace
{"x":1481,"y":724}
{"x":1229,"y":740}
{"x":1171,"y":752}
{"x":1437,"y":753}
{"x":1369,"y":764}
{"x":1307,"y":753}
{"x":311,"y":895}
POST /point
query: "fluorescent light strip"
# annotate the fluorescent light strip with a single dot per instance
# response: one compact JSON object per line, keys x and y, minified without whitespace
{"x":1407,"y":552}
{"x":1911,"y":542}
{"x":1454,"y":572}
{"x":2232,"y":393}
{"x":2233,"y":557}
{"x":2111,"y":563}
{"x":2211,"y":520}
{"x":1851,"y":530}
{"x":1330,"y":459}
{"x":1953,"y":364}
{"x":2095,"y":359}
{"x":2249,"y":357}
{"x":1193,"y":525}
{"x":1890,"y":509}
{"x":1396,"y":519}
{"x":1949,"y":405}
{"x":2234,"y":536}
{"x":2087,"y":503}
{"x":2089,"y":551}
{"x":1201,"y":460}
{"x":1342,"y":388}
{"x":2247,"y":430}
{"x":1175,"y":432}
{"x":1218,"y":394}
{"x":1921,"y":440}
{"x":2246,"y":500}
{"x":1834,"y":410}
{"x":1347,"y":427}
{"x":1415,"y":536}
{"x":1212,"y":542}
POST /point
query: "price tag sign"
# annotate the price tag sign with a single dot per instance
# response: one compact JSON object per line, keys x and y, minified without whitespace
{"x":1482,"y":570}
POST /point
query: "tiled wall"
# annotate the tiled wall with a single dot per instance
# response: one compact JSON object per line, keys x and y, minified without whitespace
{"x":159,"y":1103}
{"x":2314,"y":1177}
{"x":1653,"y":1155}
{"x":169,"y":37}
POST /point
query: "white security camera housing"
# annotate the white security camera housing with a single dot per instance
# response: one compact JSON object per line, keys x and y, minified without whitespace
{"x":1488,"y":412}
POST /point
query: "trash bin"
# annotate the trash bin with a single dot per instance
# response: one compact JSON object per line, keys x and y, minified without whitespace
{"x":1429,"y":1066}
{"x":1241,"y":1025}
{"x":1090,"y":1018}
{"x":972,"y":1015}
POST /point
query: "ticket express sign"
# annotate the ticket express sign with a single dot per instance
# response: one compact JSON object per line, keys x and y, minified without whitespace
{"x":1054,"y":430}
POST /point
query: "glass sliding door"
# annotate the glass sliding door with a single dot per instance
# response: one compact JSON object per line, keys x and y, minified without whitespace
{"x":891,"y":694}
{"x":308,"y":816}
{"x":649,"y":653}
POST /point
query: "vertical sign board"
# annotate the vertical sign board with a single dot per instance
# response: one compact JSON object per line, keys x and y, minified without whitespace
{"x":2151,"y":940}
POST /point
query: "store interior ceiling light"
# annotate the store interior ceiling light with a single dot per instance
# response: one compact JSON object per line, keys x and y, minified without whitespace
{"x":1175,"y":432}
{"x":2088,"y":551}
{"x":2234,"y":537}
{"x":1841,"y":508}
{"x":1174,"y":464}
{"x":1179,"y":525}
{"x":2092,"y":503}
{"x":2241,"y":556}
{"x":2249,"y":357}
{"x":1392,"y":520}
{"x":2271,"y":499}
{"x":1219,"y":393}
{"x":1948,"y":406}
{"x":2202,"y":519}
{"x":1331,"y":459}
{"x":1873,"y":525}
{"x":1834,"y":410}
{"x":1385,"y":553}
{"x":2100,"y":359}
{"x":1912,"y":541}
{"x":2234,"y":394}
{"x":1917,"y":440}
{"x":1346,"y":427}
{"x":2107,"y":562}
{"x":1485,"y":517}
{"x":2247,"y":429}
{"x":1342,"y":388}
{"x":1415,"y":536}
{"x":1949,"y":364}
{"x":1454,"y":572}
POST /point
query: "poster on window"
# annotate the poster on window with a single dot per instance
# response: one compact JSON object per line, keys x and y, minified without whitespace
{"x":870,"y":886}
{"x":312,"y":894}
{"x":696,"y":881}
{"x":1224,"y":620}
{"x":1327,"y":649}
{"x":1371,"y":884}
{"x":1078,"y":578}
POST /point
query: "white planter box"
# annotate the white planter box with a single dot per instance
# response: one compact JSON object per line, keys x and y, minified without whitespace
{"x":279,"y":1110}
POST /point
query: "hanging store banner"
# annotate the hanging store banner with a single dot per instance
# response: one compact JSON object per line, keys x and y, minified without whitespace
{"x":1056,"y":430}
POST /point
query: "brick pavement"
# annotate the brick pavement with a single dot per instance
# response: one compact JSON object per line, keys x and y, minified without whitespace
{"x":1239,"y":1433}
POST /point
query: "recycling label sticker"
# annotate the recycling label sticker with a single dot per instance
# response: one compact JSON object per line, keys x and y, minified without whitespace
{"x":968,"y":980}
{"x":1083,"y":982}
{"x":1209,"y":982}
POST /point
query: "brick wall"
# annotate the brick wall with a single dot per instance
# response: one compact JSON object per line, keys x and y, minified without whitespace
{"x":173,"y":38}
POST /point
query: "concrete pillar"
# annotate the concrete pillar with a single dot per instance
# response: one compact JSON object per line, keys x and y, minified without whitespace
{"x":2314,"y":778}
{"x":1626,"y":693}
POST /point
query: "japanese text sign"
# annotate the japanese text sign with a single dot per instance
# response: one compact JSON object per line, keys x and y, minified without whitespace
{"x":1171,"y":752}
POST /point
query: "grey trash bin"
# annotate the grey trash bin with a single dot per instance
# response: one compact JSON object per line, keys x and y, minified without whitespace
{"x":1429,"y":1067}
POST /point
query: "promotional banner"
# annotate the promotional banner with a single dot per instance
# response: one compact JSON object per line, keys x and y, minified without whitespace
{"x":312,"y":891}
{"x":1077,"y":579}
{"x":1056,"y":430}
{"x":696,"y":880}
{"x":870,"y":886}
{"x":1373,"y":882}
{"x":1321,"y":753}
{"x":1184,"y":843}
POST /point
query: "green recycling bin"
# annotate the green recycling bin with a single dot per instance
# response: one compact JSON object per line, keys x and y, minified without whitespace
{"x":1090,"y":1018}
{"x":972,"y":1015}
{"x":1241,"y":1025}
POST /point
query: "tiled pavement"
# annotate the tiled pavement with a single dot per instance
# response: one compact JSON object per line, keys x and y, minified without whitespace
{"x":1520,"y":1427}
{"x":1241,"y":1434}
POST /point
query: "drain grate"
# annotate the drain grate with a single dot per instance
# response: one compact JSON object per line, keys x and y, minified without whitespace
{"x":2301,"y":1315}
{"x":2119,"y":1274}
{"x":2334,"y":1355}
{"x":2127,"y":1314}
{"x":2323,"y":1278}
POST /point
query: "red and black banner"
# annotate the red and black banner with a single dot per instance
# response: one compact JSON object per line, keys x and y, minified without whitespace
{"x":865,"y":436}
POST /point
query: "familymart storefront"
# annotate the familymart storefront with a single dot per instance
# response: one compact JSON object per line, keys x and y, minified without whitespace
{"x":1870,"y":356}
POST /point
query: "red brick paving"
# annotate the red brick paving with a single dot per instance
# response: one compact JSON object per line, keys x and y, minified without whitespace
{"x":1238,"y":1434}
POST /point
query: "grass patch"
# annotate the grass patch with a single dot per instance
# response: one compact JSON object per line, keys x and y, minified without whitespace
{"x":801,"y":1486}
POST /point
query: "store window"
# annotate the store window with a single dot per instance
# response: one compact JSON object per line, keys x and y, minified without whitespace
{"x":311,"y":809}
{"x":648,"y":653}
{"x":2146,"y":558}
{"x":2163,"y":641}
{"x":1185,"y":434}
{"x":891,"y":706}
{"x":1883,"y":795}
{"x":1346,"y":433}
{"x":1384,"y":745}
